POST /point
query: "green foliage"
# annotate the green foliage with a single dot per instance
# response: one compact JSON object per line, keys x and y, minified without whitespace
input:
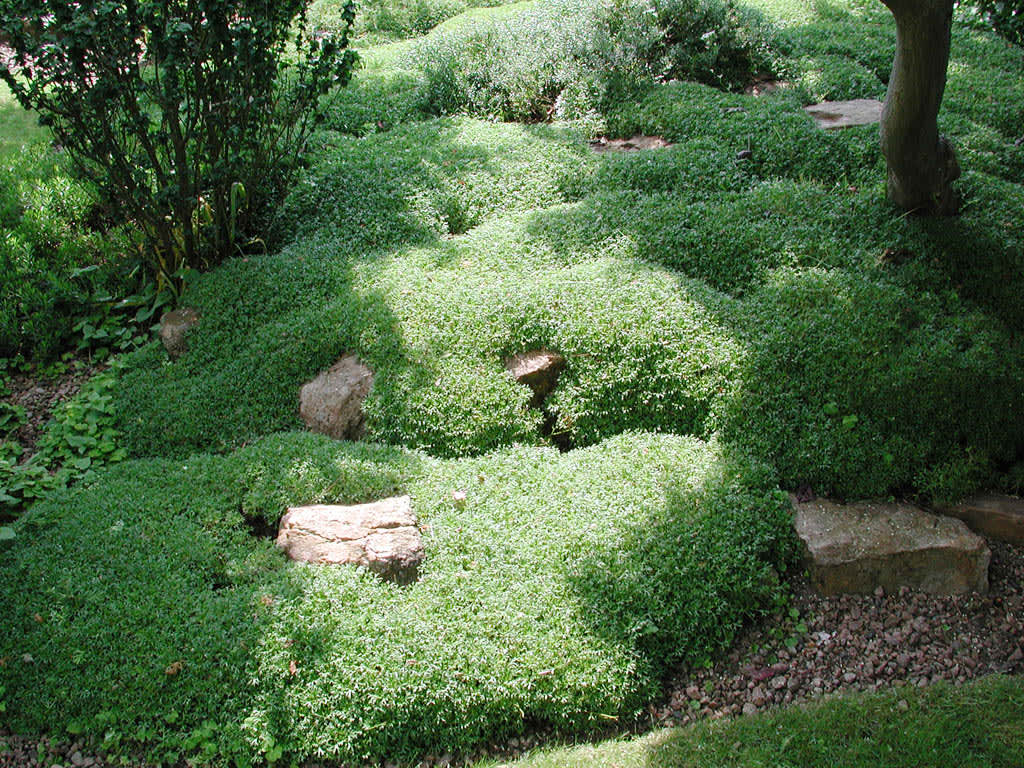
{"x":677,"y":284}
{"x":747,"y":286}
{"x":853,"y":388}
{"x":113,"y":325}
{"x":18,"y":128}
{"x":376,"y":102}
{"x":974,"y":723}
{"x":79,"y":440}
{"x":176,"y":109}
{"x":1004,"y":16}
{"x":382,"y":20}
{"x":50,"y":234}
{"x":472,"y":651}
{"x":571,"y":58}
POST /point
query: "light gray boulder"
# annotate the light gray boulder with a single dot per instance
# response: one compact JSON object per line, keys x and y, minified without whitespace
{"x":830,"y":115}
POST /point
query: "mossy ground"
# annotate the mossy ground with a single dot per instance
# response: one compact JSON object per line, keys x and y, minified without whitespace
{"x":742,"y":313}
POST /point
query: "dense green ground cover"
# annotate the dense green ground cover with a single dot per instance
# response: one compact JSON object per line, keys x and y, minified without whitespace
{"x":734,"y":323}
{"x":558,"y":593}
{"x":691,"y":291}
{"x":977,"y":724}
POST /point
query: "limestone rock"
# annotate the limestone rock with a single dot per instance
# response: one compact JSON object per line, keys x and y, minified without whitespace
{"x":173,"y":328}
{"x":332,"y":403}
{"x":830,"y":115}
{"x":996,"y":516}
{"x":632,"y":144}
{"x":860,"y":547}
{"x":381,"y":536}
{"x":538,"y":369}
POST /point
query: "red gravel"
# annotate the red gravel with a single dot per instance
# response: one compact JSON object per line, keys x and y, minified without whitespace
{"x":862,"y":643}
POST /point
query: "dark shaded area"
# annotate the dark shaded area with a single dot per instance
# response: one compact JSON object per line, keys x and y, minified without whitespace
{"x":258,"y":526}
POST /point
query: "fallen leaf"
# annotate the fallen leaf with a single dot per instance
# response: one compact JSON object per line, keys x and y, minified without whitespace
{"x":174,"y":668}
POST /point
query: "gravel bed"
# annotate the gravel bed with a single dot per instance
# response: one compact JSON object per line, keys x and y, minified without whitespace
{"x":862,"y":643}
{"x":819,"y":647}
{"x":39,"y":396}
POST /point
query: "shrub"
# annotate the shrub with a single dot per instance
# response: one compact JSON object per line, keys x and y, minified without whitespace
{"x":571,"y":57}
{"x":1005,"y":16}
{"x":186,"y":115}
{"x":51,"y":260}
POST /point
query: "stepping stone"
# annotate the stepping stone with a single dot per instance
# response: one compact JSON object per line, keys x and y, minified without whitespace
{"x":381,"y":536}
{"x":994,"y":515}
{"x":633,"y":144}
{"x":856,"y":548}
{"x":332,"y":403}
{"x":538,"y":369}
{"x":830,"y":115}
{"x":173,"y":328}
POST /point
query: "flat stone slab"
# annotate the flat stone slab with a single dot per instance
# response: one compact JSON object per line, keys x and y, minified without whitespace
{"x":830,"y":115}
{"x":856,"y":548}
{"x":632,"y":144}
{"x":332,"y":402}
{"x":538,"y":369}
{"x":382,"y":536}
{"x":994,"y":515}
{"x":174,"y":326}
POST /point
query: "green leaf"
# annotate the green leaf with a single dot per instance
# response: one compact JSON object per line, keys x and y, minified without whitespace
{"x":80,"y":441}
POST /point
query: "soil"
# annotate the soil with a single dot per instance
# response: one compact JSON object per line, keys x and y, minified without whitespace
{"x":40,"y":395}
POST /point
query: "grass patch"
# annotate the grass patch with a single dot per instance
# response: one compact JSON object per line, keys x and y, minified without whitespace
{"x":472,"y":651}
{"x":975,"y":724}
{"x":382,"y":21}
{"x":18,"y":128}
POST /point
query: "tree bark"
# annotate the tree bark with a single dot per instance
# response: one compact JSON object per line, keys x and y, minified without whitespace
{"x":922,"y":165}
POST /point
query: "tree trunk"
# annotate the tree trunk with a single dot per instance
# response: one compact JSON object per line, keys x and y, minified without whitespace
{"x":922,"y":164}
